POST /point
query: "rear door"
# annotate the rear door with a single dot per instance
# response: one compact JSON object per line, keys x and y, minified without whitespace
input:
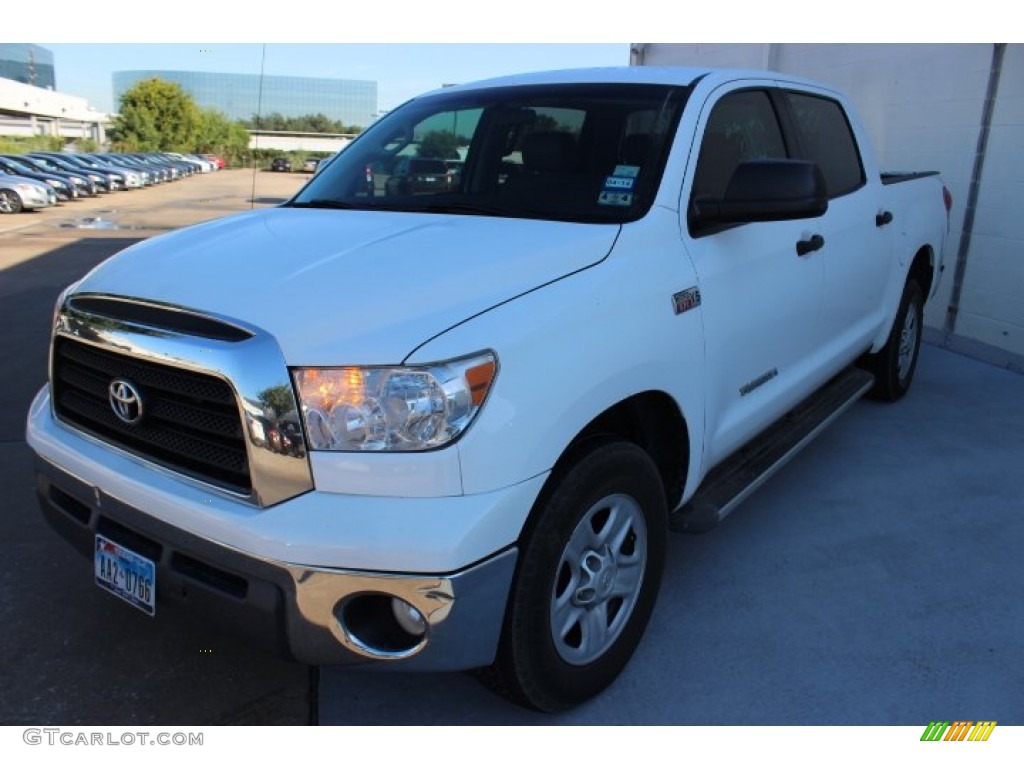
{"x":761,"y":301}
{"x":857,"y":250}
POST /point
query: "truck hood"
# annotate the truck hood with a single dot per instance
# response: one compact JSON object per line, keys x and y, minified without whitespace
{"x":350,"y":287}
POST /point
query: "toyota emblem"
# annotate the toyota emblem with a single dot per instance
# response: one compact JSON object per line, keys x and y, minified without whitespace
{"x":125,"y":401}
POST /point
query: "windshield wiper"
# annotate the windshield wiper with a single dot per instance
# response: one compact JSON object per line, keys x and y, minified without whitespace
{"x":509,"y":212}
{"x":476,"y":209}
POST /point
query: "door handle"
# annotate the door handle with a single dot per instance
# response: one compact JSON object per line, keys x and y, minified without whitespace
{"x":813,"y":243}
{"x":883,"y":218}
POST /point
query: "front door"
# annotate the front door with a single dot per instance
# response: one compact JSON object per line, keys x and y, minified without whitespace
{"x":761,"y":300}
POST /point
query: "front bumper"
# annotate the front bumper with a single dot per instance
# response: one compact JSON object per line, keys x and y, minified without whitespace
{"x":315,"y":615}
{"x":35,"y":198}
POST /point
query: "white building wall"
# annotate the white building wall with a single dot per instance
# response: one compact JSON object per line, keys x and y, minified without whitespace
{"x":922,"y":105}
{"x":19,"y":98}
{"x":26,"y":110}
{"x":992,"y":306}
{"x":309,"y":143}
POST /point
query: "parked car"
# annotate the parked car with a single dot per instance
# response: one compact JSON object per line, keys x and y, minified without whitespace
{"x":454,"y":172}
{"x":418,"y":176}
{"x":63,"y":187}
{"x":499,"y":399}
{"x":201,"y":164}
{"x":280,"y":164}
{"x":325,"y":162}
{"x":134,"y":169}
{"x":18,"y":193}
{"x":310,"y":164}
{"x":114,"y":177}
{"x":167,"y":170}
{"x":81,"y":181}
{"x":55,"y":162}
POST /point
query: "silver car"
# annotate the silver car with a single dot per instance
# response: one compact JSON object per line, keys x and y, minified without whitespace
{"x":18,"y":193}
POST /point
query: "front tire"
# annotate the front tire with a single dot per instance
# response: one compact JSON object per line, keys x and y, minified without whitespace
{"x":589,"y":573}
{"x":10,"y":202}
{"x":895,"y":363}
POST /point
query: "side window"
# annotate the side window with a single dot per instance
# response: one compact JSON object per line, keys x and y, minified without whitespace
{"x":742,"y":126}
{"x":826,"y":139}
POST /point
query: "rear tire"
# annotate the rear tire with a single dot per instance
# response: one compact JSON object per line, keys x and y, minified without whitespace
{"x":895,"y":363}
{"x":589,"y":572}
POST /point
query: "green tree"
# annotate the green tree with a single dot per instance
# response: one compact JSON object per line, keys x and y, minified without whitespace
{"x":221,"y":136}
{"x":156,"y":115}
{"x":318,"y":123}
{"x":443,"y":144}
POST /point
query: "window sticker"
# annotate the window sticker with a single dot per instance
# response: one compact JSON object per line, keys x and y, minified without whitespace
{"x":629,"y":171}
{"x":610,"y":197}
{"x":618,"y":182}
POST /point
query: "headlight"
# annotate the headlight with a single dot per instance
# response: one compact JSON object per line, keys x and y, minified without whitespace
{"x":55,"y":184}
{"x":392,"y":408}
{"x":26,"y":188}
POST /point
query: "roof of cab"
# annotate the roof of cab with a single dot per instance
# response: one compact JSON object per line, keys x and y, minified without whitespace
{"x":661,"y":75}
{"x":683,"y":76}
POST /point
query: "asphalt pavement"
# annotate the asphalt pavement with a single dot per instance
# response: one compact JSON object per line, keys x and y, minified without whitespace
{"x":70,"y":654}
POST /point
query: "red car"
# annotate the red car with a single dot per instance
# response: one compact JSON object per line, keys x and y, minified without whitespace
{"x":215,"y":159}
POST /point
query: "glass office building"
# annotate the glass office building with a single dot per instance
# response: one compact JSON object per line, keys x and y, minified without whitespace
{"x":353,"y":102}
{"x":27,"y":63}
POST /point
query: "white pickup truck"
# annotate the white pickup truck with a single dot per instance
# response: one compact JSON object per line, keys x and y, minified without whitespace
{"x":448,"y":423}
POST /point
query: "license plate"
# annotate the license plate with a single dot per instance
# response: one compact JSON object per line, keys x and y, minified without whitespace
{"x":126,"y":574}
{"x":430,"y":178}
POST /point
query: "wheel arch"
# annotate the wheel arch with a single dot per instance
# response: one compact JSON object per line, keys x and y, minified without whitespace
{"x":651,"y":420}
{"x":922,"y":269}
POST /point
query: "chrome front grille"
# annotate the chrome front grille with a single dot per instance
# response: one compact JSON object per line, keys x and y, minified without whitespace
{"x":203,"y":395}
{"x":190,"y":420}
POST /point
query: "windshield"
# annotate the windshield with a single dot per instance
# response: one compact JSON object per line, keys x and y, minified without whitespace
{"x":588,"y":152}
{"x":19,"y":166}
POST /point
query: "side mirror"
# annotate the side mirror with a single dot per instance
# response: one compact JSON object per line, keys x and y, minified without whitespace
{"x":766,"y":190}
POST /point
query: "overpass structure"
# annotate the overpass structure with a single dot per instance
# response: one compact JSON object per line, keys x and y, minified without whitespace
{"x":287,"y":141}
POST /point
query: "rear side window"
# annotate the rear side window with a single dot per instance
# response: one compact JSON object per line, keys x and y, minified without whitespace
{"x":742,"y":127}
{"x":827,"y":139}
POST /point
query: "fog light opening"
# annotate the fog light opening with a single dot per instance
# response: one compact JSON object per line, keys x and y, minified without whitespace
{"x":408,"y":617}
{"x":382,"y":626}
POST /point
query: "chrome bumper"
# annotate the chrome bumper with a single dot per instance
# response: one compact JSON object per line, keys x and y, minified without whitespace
{"x":319,"y":615}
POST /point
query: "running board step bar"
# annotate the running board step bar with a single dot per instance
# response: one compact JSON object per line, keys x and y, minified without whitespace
{"x":732,"y":481}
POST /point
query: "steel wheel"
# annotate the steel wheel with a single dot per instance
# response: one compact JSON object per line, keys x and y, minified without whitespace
{"x":598,"y":580}
{"x":894,"y":364}
{"x":909,"y":342}
{"x":590,"y":565}
{"x":9,"y":201}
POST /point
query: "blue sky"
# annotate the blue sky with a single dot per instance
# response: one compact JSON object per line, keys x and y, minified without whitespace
{"x":401,"y":70}
{"x":391,"y":42}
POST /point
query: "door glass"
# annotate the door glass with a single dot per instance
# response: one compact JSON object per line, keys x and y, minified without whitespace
{"x":827,"y":140}
{"x":742,"y":127}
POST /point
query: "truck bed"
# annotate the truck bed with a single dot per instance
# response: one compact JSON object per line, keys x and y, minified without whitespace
{"x":896,"y":177}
